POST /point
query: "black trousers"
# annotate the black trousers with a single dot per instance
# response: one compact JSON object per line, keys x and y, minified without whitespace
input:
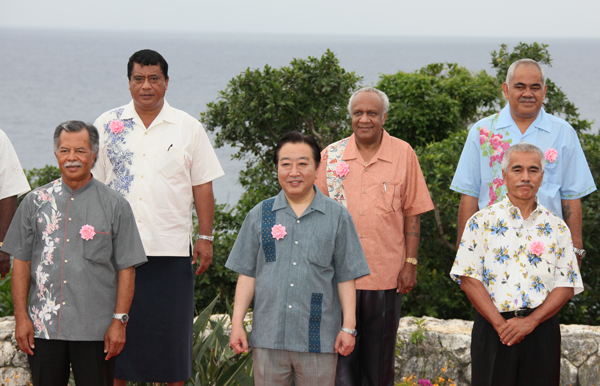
{"x":534,"y":361}
{"x":51,"y":361}
{"x":372,"y":361}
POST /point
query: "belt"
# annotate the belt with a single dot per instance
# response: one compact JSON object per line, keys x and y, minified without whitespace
{"x":523,"y":312}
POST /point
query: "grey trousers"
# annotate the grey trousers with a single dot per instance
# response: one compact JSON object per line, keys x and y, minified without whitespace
{"x":282,"y":368}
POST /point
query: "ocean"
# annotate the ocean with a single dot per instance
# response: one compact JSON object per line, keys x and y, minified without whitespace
{"x":53,"y":76}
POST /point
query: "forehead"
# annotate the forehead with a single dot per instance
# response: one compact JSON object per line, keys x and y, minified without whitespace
{"x":153,"y":69}
{"x":528,"y":74}
{"x":79,"y":139}
{"x":293,"y":151}
{"x":367,"y":101}
{"x":525,"y":159}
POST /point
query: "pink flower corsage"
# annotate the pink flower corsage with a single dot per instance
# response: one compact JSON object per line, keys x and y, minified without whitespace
{"x":278,"y":231}
{"x":341,"y":169}
{"x":537,"y":248}
{"x":551,"y":155}
{"x":116,"y":126}
{"x":87,"y":232}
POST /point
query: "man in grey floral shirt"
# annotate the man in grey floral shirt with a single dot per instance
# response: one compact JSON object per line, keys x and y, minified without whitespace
{"x":75,"y":244}
{"x":517,"y":265}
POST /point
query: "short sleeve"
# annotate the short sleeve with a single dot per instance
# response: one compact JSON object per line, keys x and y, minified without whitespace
{"x":127,"y":245}
{"x":12,"y":179}
{"x":567,"y":272}
{"x":471,"y":252}
{"x":416,"y":194}
{"x":467,"y":178}
{"x":19,"y":238}
{"x":577,"y":179}
{"x":244,"y":254}
{"x":205,"y":164}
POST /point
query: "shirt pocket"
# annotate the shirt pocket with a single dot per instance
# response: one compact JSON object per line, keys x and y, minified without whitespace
{"x":172,"y":162}
{"x":321,"y":249}
{"x":99,"y":249}
{"x":389,"y":197}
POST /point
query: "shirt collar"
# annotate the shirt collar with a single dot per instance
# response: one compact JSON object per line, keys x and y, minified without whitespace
{"x":506,"y":120}
{"x":167,"y":113}
{"x":385,"y":152}
{"x":318,"y":202}
{"x":85,"y":187}
{"x":515,"y":213}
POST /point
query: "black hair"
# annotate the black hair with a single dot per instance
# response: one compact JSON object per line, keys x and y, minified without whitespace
{"x":76,"y":127}
{"x":147,"y":58}
{"x":296,"y":137}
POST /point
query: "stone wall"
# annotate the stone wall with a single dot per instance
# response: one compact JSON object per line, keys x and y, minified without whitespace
{"x":14,"y":368}
{"x":444,"y":351}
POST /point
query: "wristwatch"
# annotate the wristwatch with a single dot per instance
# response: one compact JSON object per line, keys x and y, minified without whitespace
{"x":412,"y":260}
{"x":209,"y":238}
{"x":349,"y":331}
{"x":123,"y":318}
{"x":580,"y":252}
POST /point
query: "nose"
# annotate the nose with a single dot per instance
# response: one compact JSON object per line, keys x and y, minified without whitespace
{"x":294,"y":171}
{"x":146,"y":84}
{"x":364,"y":117}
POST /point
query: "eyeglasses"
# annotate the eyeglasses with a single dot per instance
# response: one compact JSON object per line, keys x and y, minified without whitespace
{"x":152,"y":79}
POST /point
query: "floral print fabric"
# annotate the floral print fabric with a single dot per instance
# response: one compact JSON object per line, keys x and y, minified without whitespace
{"x":519,"y":261}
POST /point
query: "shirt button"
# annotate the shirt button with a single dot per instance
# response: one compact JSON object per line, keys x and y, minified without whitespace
{"x":364,"y":191}
{"x":296,"y":242}
{"x":294,"y":263}
{"x":144,"y":154}
{"x":139,"y":220}
{"x":291,"y":285}
{"x":64,"y":303}
{"x":521,"y":140}
{"x":362,"y":214}
{"x":361,"y":236}
{"x":65,"y":282}
{"x":67,"y":240}
{"x":140,"y":199}
{"x":72,"y":199}
{"x":290,"y":306}
{"x":366,"y":170}
{"x":298,"y":221}
{"x":141,"y":176}
{"x":66,"y":261}
{"x":69,"y":218}
{"x":145,"y":132}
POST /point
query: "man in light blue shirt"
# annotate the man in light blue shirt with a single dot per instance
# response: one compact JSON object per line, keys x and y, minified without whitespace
{"x":479,"y":173}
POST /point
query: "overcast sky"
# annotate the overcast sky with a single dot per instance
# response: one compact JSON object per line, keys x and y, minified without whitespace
{"x":468,"y":18}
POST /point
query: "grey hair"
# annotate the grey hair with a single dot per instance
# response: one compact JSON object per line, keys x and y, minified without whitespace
{"x":76,"y":127}
{"x":382,"y":95}
{"x":530,"y":62}
{"x":522,"y":147}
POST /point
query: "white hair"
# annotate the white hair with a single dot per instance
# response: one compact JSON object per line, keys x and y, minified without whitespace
{"x":530,"y":62}
{"x":522,"y":147}
{"x":384,"y":98}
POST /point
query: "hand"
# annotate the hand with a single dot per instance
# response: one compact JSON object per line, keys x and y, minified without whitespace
{"x":114,"y":339}
{"x":407,"y":278}
{"x":4,"y":264}
{"x":516,"y":329}
{"x":24,"y":334}
{"x":344,"y":343}
{"x":238,"y":340}
{"x":204,"y":250}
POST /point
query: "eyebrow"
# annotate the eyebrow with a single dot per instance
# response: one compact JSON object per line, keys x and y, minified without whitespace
{"x":299,"y":158}
{"x":523,"y":84}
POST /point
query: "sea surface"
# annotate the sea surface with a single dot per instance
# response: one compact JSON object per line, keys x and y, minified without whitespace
{"x":52,"y":76}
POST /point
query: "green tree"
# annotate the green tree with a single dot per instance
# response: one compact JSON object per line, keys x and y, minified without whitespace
{"x":439,"y":99}
{"x":256,"y":109}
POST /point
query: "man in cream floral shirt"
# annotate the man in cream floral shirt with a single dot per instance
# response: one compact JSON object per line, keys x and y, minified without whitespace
{"x":517,"y":265}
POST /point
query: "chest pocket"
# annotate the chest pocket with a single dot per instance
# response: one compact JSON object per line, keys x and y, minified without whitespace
{"x":99,"y":249}
{"x":321,"y":250}
{"x":172,"y":162}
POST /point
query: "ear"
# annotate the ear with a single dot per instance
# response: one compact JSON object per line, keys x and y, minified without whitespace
{"x":384,"y":118}
{"x":505,"y":90}
{"x":166,"y":83}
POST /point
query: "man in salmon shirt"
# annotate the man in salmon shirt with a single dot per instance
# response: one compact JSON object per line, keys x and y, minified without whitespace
{"x":379,"y":180}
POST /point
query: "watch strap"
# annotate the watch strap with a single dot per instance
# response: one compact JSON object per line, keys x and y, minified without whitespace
{"x":411,"y":260}
{"x":349,"y":331}
{"x":209,"y":238}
